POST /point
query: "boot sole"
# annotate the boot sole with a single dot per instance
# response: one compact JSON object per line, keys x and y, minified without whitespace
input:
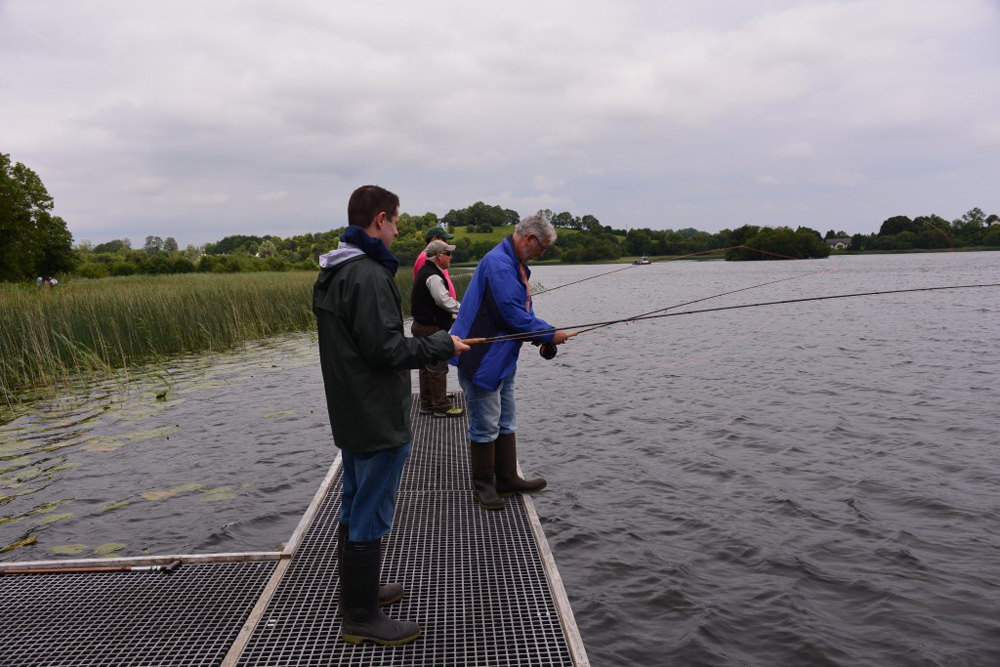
{"x":358,"y":639}
{"x":508,"y":494}
{"x":488,"y":506}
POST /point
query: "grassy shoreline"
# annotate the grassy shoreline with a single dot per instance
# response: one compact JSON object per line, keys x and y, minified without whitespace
{"x":51,"y":337}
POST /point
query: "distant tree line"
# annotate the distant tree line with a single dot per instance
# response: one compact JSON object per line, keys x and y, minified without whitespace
{"x":33,"y":242}
{"x":932,"y":232}
{"x":589,"y":241}
{"x":232,"y":254}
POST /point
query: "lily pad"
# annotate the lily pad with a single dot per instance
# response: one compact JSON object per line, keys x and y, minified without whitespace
{"x":69,"y":549}
{"x":170,"y":493}
{"x":29,"y":473}
{"x":104,"y":445}
{"x":48,"y":507}
{"x":53,"y":518}
{"x":113,"y":506}
{"x":11,"y":448}
{"x":109,"y":548}
{"x":26,"y":542}
{"x":15,"y":464}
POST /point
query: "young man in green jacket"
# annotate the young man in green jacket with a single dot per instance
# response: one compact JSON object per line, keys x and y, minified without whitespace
{"x":366,"y":359}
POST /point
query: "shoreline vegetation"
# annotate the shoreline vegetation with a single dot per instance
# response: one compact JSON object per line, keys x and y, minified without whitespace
{"x":52,"y":337}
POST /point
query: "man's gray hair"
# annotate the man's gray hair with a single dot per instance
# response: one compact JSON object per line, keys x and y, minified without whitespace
{"x":537,"y":225}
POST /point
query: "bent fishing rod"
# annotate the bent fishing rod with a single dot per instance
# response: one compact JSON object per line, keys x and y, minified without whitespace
{"x":660,"y":315}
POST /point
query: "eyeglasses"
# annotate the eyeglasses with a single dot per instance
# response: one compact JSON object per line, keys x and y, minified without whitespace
{"x":541,"y":248}
{"x":446,"y":252}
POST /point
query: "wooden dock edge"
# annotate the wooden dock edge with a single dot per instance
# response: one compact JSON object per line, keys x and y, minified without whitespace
{"x":236,"y":650}
{"x":573,"y":639}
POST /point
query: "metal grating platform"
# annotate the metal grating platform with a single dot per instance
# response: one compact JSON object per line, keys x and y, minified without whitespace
{"x":186,"y":618}
{"x":482,"y":584}
{"x":476,"y":581}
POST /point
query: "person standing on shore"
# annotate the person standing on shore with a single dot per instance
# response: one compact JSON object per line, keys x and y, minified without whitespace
{"x":365,"y":359}
{"x":434,"y":309}
{"x":498,"y":303}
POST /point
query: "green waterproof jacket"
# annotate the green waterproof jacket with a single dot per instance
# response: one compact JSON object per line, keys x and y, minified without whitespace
{"x":364,"y":353}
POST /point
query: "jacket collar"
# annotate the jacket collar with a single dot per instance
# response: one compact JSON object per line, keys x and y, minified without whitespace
{"x":372,"y":247}
{"x":508,"y":248}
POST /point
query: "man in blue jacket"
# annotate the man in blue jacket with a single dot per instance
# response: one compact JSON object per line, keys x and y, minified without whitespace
{"x":498,"y":303}
{"x":365,"y":358}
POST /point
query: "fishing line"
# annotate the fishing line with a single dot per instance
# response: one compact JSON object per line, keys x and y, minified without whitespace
{"x":660,"y":261}
{"x":660,"y":315}
{"x":549,"y":351}
{"x":707,"y":298}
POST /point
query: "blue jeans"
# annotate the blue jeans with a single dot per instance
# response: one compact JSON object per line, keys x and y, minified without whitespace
{"x":490,"y":412}
{"x":370,"y":484}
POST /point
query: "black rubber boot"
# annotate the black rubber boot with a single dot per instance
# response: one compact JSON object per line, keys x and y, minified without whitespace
{"x":363,"y":619}
{"x":387,"y":593}
{"x":508,"y":481}
{"x":483,"y":490}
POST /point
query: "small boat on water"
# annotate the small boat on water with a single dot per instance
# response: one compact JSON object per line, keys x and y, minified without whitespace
{"x":641,"y":262}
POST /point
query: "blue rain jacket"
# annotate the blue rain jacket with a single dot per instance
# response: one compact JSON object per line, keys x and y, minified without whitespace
{"x":496,"y":304}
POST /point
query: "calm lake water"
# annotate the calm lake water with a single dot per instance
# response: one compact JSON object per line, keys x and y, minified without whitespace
{"x":810,"y":484}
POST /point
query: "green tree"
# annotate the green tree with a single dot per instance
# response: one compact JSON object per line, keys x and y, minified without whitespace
{"x":55,"y":246}
{"x":170,"y":244}
{"x":638,"y":242}
{"x":230,"y":244}
{"x":975,"y":218}
{"x":769,"y":244}
{"x":25,"y":221}
{"x":112,"y":246}
{"x":267,"y":249}
{"x":154,"y":244}
{"x":898,"y":224}
{"x":565,"y":220}
{"x":992,"y":236}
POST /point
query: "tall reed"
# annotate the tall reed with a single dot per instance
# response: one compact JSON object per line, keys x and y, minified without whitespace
{"x":49,"y":336}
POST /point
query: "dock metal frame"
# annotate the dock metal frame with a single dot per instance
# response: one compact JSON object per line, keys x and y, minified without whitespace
{"x":482,"y":584}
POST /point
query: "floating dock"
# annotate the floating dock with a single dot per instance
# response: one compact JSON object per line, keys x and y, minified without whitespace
{"x":482,"y":585}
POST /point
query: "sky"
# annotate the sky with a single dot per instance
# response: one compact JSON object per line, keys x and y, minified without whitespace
{"x":198,"y":120}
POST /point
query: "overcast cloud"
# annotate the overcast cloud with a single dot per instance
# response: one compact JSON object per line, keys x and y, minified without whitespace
{"x":201,"y":119}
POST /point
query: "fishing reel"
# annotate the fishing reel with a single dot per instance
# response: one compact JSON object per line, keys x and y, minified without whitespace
{"x":547,"y":350}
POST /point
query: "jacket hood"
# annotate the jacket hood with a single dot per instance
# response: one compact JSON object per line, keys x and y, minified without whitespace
{"x":340,"y":255}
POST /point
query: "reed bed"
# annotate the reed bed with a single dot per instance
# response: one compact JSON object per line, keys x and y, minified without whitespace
{"x":49,"y":337}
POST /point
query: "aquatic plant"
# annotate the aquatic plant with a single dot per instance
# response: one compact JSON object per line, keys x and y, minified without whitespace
{"x":48,"y":337}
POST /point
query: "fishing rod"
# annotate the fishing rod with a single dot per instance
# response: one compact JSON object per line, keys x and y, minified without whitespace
{"x":660,"y":315}
{"x":77,"y":570}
